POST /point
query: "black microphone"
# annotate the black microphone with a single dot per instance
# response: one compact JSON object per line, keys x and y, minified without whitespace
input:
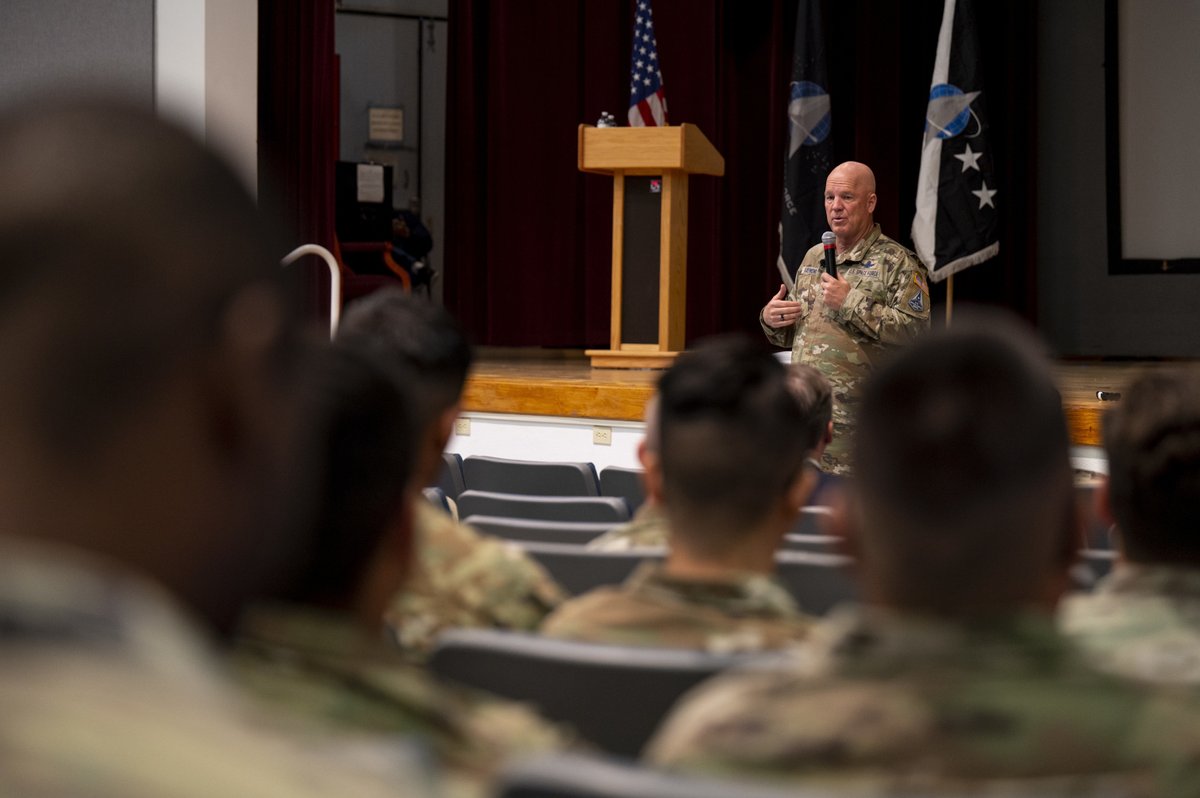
{"x":828,"y":239}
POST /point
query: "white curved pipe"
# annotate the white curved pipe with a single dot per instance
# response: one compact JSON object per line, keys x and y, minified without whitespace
{"x":335,"y":279}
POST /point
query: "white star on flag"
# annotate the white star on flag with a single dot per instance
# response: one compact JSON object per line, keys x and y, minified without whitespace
{"x":970,"y":160}
{"x":985,"y":195}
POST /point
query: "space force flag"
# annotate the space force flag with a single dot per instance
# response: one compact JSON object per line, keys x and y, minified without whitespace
{"x":647,"y":100}
{"x":809,"y":146}
{"x":955,"y":224}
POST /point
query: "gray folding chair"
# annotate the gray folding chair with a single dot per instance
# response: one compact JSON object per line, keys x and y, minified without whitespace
{"x":524,"y":529}
{"x":818,"y":582}
{"x":529,"y":477}
{"x":811,"y":520}
{"x":579,"y":570}
{"x":614,"y":696}
{"x":450,"y":480}
{"x":625,"y":483}
{"x":593,"y":509}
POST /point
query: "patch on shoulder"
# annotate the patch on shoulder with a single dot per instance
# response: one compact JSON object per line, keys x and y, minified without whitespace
{"x":917,"y":303}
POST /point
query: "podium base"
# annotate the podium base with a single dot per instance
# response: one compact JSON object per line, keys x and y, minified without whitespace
{"x":630,"y":359}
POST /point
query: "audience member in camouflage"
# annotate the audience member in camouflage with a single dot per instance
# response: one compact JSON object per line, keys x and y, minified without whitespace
{"x":330,"y":669}
{"x":728,"y":475}
{"x":952,"y":679}
{"x":107,"y":689}
{"x":463,"y":578}
{"x":1143,"y":621}
{"x":844,"y":325}
{"x":647,"y":529}
{"x":730,"y":613}
{"x":460,"y":577}
{"x":148,"y":383}
{"x":325,"y":655}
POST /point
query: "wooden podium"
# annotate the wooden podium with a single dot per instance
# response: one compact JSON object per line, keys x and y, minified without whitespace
{"x":650,"y":168}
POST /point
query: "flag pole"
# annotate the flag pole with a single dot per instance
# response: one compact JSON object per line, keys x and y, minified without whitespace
{"x":949,"y":299}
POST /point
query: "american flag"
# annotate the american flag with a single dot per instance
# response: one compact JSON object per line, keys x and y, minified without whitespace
{"x":647,"y":102}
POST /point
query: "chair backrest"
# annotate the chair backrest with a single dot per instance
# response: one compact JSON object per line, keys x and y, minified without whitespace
{"x":1092,"y":566}
{"x":818,"y":582}
{"x":437,"y":497}
{"x":577,"y":533}
{"x":451,"y":478}
{"x":614,"y":696}
{"x":625,"y":483}
{"x":530,"y":478}
{"x":810,"y":520}
{"x":579,"y":570}
{"x":594,"y":509}
{"x":582,"y":776}
{"x":821,"y":544}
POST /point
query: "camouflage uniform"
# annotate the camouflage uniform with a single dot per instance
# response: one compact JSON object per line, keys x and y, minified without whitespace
{"x":885,"y":703}
{"x":106,"y":689}
{"x":746,"y":612}
{"x":1143,"y":621}
{"x":648,"y":528}
{"x":888,"y":305}
{"x":461,"y":578}
{"x":325,"y":669}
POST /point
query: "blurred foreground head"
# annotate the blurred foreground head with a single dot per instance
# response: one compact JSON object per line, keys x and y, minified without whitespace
{"x":1152,"y":438}
{"x":146,"y":357}
{"x":964,"y":499}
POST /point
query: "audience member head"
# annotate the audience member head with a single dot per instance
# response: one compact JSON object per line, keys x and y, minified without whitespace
{"x":963,"y":502}
{"x":733,"y":442}
{"x":147,"y":361}
{"x":815,"y":395}
{"x":362,"y":539}
{"x":426,"y":339}
{"x":1152,"y":437}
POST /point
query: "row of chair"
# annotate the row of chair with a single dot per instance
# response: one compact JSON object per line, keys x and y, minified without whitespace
{"x":534,"y":478}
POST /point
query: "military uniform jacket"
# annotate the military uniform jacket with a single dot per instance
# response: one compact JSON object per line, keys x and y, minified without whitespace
{"x":322,"y":668}
{"x":107,"y":689}
{"x":647,"y":528}
{"x":745,"y":612}
{"x":888,"y":305}
{"x":462,"y":578}
{"x":879,"y":702}
{"x":1142,"y":621}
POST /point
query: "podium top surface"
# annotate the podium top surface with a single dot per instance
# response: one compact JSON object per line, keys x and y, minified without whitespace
{"x":647,"y":150}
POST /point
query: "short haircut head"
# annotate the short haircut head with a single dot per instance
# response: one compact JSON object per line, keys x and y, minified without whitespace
{"x":733,"y":437}
{"x":416,"y":333}
{"x":1152,"y":437}
{"x":122,"y":240}
{"x":815,"y":397}
{"x":963,"y":474}
{"x":367,"y":448}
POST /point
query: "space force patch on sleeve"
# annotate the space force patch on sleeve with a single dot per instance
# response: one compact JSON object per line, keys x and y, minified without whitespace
{"x":919,"y":302}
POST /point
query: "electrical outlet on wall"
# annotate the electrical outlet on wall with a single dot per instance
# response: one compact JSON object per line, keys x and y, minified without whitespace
{"x":462,"y":426}
{"x":602,"y":436}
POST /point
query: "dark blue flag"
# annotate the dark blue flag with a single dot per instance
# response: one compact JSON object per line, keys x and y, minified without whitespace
{"x":809,"y":148}
{"x":955,"y":225}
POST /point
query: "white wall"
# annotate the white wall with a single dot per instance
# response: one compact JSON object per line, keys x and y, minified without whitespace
{"x":548,"y":439}
{"x":206,"y":75}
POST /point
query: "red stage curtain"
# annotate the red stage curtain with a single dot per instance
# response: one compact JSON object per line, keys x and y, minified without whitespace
{"x":297,"y":131}
{"x":529,"y":238}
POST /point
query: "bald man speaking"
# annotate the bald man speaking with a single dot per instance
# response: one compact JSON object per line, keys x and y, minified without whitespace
{"x":844,"y":324}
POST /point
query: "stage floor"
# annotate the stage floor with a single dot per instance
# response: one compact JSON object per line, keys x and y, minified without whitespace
{"x":563,"y":383}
